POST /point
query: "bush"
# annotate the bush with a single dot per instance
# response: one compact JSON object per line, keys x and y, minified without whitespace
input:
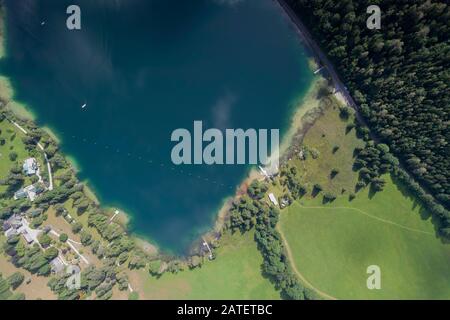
{"x":154,"y":267}
{"x":328,"y":197}
{"x":344,"y":112}
{"x":334,"y":172}
{"x":13,"y":156}
{"x":317,"y":188}
{"x":44,"y":239}
{"x":133,"y":296}
{"x":63,"y":237}
{"x":76,"y":227}
{"x":16,"y":279}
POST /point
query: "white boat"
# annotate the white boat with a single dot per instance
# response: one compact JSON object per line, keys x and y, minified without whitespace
{"x":84,"y":106}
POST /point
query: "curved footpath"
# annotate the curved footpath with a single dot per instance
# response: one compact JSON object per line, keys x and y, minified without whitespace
{"x":291,"y":256}
{"x":372,"y":217}
{"x":298,"y":273}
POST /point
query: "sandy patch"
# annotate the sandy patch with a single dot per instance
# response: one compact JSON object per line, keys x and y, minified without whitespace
{"x":36,"y":289}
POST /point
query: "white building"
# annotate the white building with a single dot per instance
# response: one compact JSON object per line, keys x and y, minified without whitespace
{"x":30,"y":166}
{"x":27,"y":237}
{"x":31,"y":191}
{"x":57,"y":265}
{"x":273,"y":199}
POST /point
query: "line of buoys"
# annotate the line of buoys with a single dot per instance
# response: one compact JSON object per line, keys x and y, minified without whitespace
{"x":149,"y":161}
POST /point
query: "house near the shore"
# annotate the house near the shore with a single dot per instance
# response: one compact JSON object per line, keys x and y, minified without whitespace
{"x":33,"y":191}
{"x":20,"y":194}
{"x":16,"y":225}
{"x":30,"y":192}
{"x":6,"y":226}
{"x":27,"y":237}
{"x":12,"y":225}
{"x":30,"y":166}
{"x":273,"y":199}
{"x":57,"y":265}
{"x":15,"y":221}
{"x":11,"y":232}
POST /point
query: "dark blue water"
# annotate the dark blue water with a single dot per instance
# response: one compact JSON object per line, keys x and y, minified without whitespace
{"x":145,"y":68}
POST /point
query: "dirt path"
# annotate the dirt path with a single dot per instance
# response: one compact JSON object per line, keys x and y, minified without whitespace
{"x":291,"y":256}
{"x":373,"y":217}
{"x":298,"y":273}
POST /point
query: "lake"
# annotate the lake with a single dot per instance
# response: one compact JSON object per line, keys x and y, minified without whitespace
{"x":145,"y":68}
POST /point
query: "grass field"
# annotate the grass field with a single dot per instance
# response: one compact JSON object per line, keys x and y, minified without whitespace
{"x":235,"y":274}
{"x":331,"y":245}
{"x":334,"y":244}
{"x":13,"y":142}
{"x":329,"y":131}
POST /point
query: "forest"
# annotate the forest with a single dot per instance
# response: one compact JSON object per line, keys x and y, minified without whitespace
{"x":398,"y":75}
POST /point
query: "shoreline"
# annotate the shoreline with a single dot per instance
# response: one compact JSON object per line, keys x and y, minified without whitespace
{"x":296,"y":128}
{"x":304,"y":106}
{"x":304,"y":113}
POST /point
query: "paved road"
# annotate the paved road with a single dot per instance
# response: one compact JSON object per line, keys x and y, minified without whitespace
{"x":339,"y":85}
{"x":323,"y":60}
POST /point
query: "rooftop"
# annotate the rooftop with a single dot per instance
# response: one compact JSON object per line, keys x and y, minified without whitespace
{"x":30,"y":166}
{"x":57,"y":265}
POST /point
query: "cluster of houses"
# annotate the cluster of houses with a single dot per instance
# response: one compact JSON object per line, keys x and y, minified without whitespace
{"x":58,"y":265}
{"x":30,"y":168}
{"x":284,"y":202}
{"x":17,"y":224}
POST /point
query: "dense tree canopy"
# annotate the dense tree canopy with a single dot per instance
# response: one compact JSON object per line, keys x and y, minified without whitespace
{"x":398,"y":75}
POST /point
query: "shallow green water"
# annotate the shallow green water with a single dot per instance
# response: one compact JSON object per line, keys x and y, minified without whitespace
{"x":145,"y":68}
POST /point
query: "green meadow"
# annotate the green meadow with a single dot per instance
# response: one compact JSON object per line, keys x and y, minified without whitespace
{"x":10,"y":141}
{"x":235,"y":274}
{"x":332,"y":244}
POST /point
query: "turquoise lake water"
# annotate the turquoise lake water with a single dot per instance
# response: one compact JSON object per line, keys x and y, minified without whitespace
{"x":145,"y":68}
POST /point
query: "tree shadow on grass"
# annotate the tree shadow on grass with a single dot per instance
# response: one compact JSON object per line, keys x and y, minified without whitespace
{"x":315,"y":192}
{"x":372,"y":191}
{"x":424,"y":213}
{"x":326,"y":200}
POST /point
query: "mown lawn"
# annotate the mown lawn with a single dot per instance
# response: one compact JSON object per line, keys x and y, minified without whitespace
{"x":10,"y":141}
{"x":235,"y":274}
{"x":333,"y":245}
